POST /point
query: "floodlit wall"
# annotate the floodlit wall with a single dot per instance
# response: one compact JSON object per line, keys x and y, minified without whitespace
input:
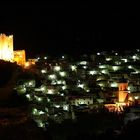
{"x":20,"y":57}
{"x":123,"y":92}
{"x":6,"y":47}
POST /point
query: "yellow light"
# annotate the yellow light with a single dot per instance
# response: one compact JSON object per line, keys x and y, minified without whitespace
{"x":20,"y":57}
{"x":7,"y":53}
{"x":122,"y":96}
{"x":130,"y":99}
{"x":27,"y":64}
{"x":136,"y":97}
{"x":6,"y":47}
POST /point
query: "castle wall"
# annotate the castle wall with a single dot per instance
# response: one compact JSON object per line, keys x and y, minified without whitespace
{"x":6,"y":47}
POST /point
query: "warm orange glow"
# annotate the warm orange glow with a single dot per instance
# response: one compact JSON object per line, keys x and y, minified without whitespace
{"x":122,"y":96}
{"x":123,"y":86}
{"x":6,"y":47}
{"x":27,"y":64}
{"x":130,"y":99}
{"x":114,"y":108}
{"x":121,"y":104}
{"x":20,"y":57}
{"x":32,"y":61}
{"x":8,"y":54}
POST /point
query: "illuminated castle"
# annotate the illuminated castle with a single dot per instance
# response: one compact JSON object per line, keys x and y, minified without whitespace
{"x":6,"y":47}
{"x":7,"y":52}
{"x":20,"y":57}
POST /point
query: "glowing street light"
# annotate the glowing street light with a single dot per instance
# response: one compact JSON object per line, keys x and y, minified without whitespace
{"x":27,"y":64}
{"x":80,"y":85}
{"x":115,"y":68}
{"x":62,"y":73}
{"x":50,"y":91}
{"x":43,"y":71}
{"x":92,"y":72}
{"x":57,"y":68}
{"x":73,"y":67}
{"x":52,"y":76}
{"x":64,"y":87}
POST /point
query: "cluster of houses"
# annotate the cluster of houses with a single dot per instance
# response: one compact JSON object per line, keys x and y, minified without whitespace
{"x":59,"y":86}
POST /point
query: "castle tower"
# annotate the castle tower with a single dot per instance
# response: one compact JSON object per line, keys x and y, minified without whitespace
{"x":6,"y":47}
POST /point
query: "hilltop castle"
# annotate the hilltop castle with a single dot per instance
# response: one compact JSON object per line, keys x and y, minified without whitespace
{"x":8,"y":53}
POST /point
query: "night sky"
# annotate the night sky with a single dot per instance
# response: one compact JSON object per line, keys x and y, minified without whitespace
{"x":73,"y":29}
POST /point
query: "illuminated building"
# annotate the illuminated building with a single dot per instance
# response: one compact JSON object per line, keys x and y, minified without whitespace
{"x":123,"y":92}
{"x":20,"y":57}
{"x":32,"y":61}
{"x":124,"y":98}
{"x":8,"y":54}
{"x":6,"y":47}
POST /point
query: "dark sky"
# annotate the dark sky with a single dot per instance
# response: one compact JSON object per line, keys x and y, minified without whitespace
{"x":63,"y":28}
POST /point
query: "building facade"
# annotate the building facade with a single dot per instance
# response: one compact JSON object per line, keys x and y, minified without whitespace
{"x":6,"y":47}
{"x":20,"y":57}
{"x":7,"y":52}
